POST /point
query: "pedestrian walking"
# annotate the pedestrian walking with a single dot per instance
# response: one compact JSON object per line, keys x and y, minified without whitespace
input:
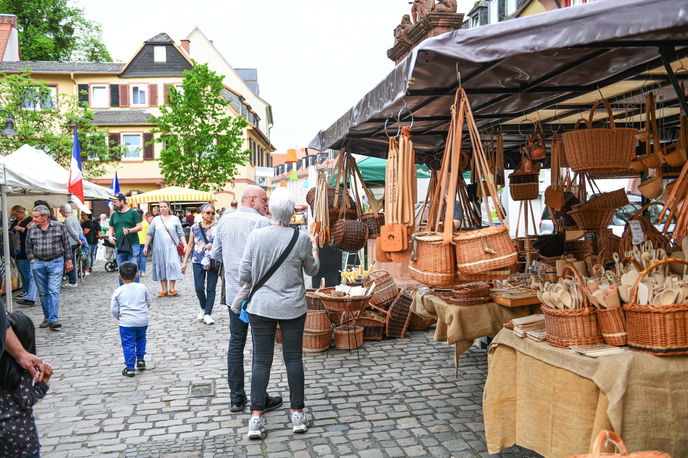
{"x":274,"y":262}
{"x":73,"y":231}
{"x":48,"y":251}
{"x":92,"y":232}
{"x":166,"y":234}
{"x":21,"y":224}
{"x":125,"y":222}
{"x":142,"y":241}
{"x":230,"y":240}
{"x":19,"y":393}
{"x":205,"y":271}
{"x":130,"y":303}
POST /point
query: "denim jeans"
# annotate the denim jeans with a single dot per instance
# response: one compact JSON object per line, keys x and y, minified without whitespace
{"x":142,"y":260}
{"x":28,"y":283}
{"x":72,"y":273}
{"x":263,"y":334}
{"x":205,"y":282}
{"x":131,"y":257}
{"x":48,"y":276}
{"x":93,"y":248}
{"x":133,"y":344}
{"x":238,"y":330}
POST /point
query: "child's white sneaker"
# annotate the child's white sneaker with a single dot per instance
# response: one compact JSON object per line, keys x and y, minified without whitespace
{"x":256,"y":428}
{"x":300,"y":422}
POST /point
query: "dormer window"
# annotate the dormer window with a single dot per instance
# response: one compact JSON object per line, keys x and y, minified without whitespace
{"x":159,"y":54}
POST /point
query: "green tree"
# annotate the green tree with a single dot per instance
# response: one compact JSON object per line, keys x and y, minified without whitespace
{"x":54,"y":30}
{"x":202,"y":140}
{"x":45,"y":121}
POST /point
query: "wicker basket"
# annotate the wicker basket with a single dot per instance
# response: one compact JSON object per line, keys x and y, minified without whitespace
{"x":385,"y":287}
{"x":313,"y":301}
{"x":349,"y":235}
{"x":348,"y":337}
{"x":524,"y":185}
{"x":480,"y":250}
{"x":317,"y":332}
{"x":652,"y":187}
{"x":600,"y":149}
{"x":419,"y":323}
{"x":399,"y":315}
{"x":432,"y":261}
{"x":373,"y":324}
{"x":278,"y":336}
{"x":472,"y":291}
{"x":613,"y":325}
{"x":572,"y":327}
{"x":592,"y":219}
{"x":614,"y":199}
{"x":661,"y":330}
{"x":337,"y":303}
{"x":374,"y":221}
{"x":580,"y":249}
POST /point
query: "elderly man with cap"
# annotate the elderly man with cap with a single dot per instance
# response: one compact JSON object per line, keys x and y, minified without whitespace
{"x":125,"y":222}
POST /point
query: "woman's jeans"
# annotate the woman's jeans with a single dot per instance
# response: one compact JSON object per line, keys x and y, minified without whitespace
{"x":142,"y":259}
{"x":263,"y":334}
{"x":205,"y":282}
{"x":28,"y":283}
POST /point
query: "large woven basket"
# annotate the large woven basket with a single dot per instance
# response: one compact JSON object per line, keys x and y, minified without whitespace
{"x":592,"y":219}
{"x":342,"y":303}
{"x":374,"y":221}
{"x":317,"y":332}
{"x":419,"y":323}
{"x":574,"y":326}
{"x":399,"y":315}
{"x":385,"y":287}
{"x":613,"y":325}
{"x":373,"y":323}
{"x":349,"y":235}
{"x":600,"y":149}
{"x":348,"y":337}
{"x":313,"y":300}
{"x":661,"y":330}
{"x":432,"y":261}
{"x":480,"y":250}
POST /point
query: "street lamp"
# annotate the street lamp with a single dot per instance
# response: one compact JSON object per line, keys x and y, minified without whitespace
{"x":8,"y":131}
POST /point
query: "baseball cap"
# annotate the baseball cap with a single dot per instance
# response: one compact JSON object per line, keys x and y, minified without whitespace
{"x":120,"y":196}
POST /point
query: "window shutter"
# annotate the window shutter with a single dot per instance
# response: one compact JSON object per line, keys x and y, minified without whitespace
{"x":148,"y":151}
{"x":114,"y":95}
{"x":123,"y":95}
{"x":113,"y":140}
{"x":83,"y":93}
{"x":153,"y":89}
{"x":166,"y":92}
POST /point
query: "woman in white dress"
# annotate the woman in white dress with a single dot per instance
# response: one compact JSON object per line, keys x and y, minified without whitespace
{"x":166,"y":232}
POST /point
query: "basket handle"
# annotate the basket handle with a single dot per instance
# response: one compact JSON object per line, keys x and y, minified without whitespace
{"x":582,"y":120}
{"x":605,"y":437}
{"x":640,"y":211}
{"x":643,"y":274}
{"x":576,"y":274}
{"x":610,"y":113}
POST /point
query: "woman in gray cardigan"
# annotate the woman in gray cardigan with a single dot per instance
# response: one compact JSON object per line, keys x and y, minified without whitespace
{"x":281,"y":300}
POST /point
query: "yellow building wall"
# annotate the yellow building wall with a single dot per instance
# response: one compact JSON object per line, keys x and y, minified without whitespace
{"x":535,"y":7}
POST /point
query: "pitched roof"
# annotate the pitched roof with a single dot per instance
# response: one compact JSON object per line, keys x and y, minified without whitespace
{"x":121,"y":117}
{"x":61,"y":67}
{"x":160,"y":38}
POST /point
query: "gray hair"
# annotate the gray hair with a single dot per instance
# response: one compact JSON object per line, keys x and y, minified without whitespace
{"x":204,"y":207}
{"x":281,"y":206}
{"x":41,"y":210}
{"x":66,"y":208}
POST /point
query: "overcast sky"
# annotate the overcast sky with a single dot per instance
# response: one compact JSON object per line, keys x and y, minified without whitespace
{"x":315,"y":58}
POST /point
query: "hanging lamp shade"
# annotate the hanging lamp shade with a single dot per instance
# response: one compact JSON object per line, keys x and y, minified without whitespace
{"x":291,"y":156}
{"x":283,"y":183}
{"x":293,"y":176}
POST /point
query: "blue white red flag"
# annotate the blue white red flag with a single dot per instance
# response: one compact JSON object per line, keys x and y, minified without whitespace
{"x":76,"y":181}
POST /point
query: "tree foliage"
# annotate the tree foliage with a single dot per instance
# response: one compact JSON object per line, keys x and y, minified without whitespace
{"x":201,"y":140}
{"x":56,"y":31}
{"x":46,"y":122}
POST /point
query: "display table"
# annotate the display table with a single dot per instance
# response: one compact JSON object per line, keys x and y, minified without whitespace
{"x":555,"y":402}
{"x":461,"y":325}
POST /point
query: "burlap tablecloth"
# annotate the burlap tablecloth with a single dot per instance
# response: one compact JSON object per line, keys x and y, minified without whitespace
{"x":555,"y":402}
{"x":461,"y":325}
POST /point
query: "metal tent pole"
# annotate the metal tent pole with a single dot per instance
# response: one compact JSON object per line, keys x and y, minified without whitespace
{"x":6,"y":248}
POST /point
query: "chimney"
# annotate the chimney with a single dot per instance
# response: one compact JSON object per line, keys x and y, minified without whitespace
{"x":185,"y":45}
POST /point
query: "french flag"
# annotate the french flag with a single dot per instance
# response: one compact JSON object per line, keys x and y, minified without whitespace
{"x":76,"y":182}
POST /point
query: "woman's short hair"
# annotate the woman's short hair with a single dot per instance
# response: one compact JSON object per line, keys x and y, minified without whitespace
{"x":281,"y":206}
{"x":19,"y":208}
{"x":204,"y":207}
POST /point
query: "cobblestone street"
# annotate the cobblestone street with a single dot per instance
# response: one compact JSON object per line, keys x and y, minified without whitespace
{"x":401,"y":398}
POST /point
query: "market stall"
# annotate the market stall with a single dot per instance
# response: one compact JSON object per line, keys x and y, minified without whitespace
{"x":174,"y":194}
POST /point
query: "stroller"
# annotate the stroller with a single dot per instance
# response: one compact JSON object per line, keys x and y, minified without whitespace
{"x":110,"y":259}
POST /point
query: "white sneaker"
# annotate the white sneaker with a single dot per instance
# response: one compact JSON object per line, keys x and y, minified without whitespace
{"x":71,"y":285}
{"x":300,"y":422}
{"x":207,"y":319}
{"x":256,"y":428}
{"x":86,"y":274}
{"x":141,"y":274}
{"x":200,"y":315}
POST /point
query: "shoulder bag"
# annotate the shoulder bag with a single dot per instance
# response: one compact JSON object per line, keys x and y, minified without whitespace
{"x":180,"y":245}
{"x":243,"y":315}
{"x":214,"y":263}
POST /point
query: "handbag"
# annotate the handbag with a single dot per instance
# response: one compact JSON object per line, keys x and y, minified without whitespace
{"x":214,"y":263}
{"x":243,"y":314}
{"x":124,"y":245}
{"x":180,"y":245}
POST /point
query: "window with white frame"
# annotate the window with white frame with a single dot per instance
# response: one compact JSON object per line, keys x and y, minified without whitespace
{"x":133,"y":146}
{"x":36,"y":99}
{"x":160,"y":54}
{"x":139,"y":95}
{"x":475,"y":21}
{"x":511,"y":7}
{"x":493,"y":11}
{"x":100,"y":97}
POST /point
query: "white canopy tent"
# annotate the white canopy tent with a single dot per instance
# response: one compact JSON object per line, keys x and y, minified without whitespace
{"x":27,"y":174}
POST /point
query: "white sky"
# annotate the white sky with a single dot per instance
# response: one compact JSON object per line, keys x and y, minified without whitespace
{"x":315,"y":58}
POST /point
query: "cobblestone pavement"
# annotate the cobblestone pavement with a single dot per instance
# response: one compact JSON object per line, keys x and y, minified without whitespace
{"x":401,"y":398}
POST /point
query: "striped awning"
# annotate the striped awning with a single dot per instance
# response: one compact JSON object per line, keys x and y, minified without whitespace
{"x":172,"y":194}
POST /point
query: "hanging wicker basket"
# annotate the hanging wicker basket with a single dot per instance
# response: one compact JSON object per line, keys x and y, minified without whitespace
{"x":374,"y":221}
{"x":480,"y":250}
{"x":349,"y":235}
{"x":432,"y":261}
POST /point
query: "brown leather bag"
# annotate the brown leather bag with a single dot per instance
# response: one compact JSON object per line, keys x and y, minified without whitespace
{"x":554,"y":194}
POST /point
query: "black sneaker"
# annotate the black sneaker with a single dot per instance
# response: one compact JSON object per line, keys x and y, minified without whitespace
{"x":237,"y":406}
{"x":55,"y":325}
{"x":25,"y":302}
{"x":141,"y":364}
{"x":44,"y":324}
{"x":128,"y":372}
{"x":272,"y":403}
